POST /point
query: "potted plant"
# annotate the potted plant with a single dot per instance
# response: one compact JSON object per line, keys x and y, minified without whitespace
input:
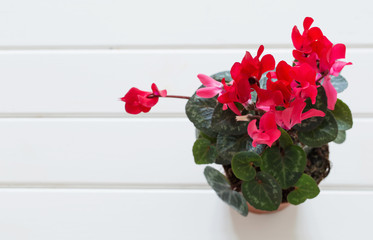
{"x":268,"y":125}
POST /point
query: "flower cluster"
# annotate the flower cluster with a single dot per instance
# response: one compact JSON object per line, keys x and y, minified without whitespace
{"x":284,"y":96}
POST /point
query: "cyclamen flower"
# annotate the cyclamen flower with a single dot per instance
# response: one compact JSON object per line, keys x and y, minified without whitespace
{"x":229,"y":97}
{"x":312,"y":46}
{"x":138,"y":101}
{"x":212,"y":87}
{"x":267,"y":132}
{"x":328,"y":55}
{"x":283,"y":83}
{"x":306,"y":77}
{"x":303,"y":42}
{"x":249,"y":72}
{"x":294,"y":114}
{"x":268,"y":99}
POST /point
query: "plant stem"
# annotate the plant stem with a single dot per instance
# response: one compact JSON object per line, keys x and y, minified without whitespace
{"x":169,"y":96}
{"x":176,"y":96}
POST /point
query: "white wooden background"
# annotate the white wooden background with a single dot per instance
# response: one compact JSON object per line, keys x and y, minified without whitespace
{"x":73,"y":165}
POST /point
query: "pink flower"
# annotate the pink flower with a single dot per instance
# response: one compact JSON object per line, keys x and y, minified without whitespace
{"x":330,"y":91}
{"x":294,"y":114}
{"x":211,"y":89}
{"x":138,"y":101}
{"x":267,"y":132}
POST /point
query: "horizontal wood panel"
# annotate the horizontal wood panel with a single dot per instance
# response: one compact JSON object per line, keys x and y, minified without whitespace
{"x":132,"y":152}
{"x":174,"y":214}
{"x":165,"y":22}
{"x":81,"y":82}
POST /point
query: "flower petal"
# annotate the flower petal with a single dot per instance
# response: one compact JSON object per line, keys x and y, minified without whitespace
{"x":331,"y":93}
{"x":208,"y":92}
{"x":208,"y":81}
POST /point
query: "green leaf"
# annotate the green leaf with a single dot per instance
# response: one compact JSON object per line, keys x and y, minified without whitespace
{"x":220,"y":75}
{"x":326,"y":132}
{"x":224,"y":122}
{"x":199,"y":111}
{"x":242,"y":165}
{"x":321,"y":104}
{"x":285,"y":139}
{"x":343,"y":116}
{"x":339,"y":83}
{"x":341,"y":137}
{"x":305,"y":188}
{"x":221,"y":186}
{"x":228,"y":146}
{"x":203,"y":151}
{"x":285,"y":166}
{"x":262,"y":192}
{"x":200,"y":134}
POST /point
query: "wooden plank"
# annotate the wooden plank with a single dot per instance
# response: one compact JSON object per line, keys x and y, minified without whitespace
{"x":174,"y":214}
{"x":37,"y":83}
{"x":137,"y":152}
{"x":101,"y":23}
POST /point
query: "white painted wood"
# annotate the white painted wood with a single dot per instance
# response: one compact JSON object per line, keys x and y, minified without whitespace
{"x":134,"y":152}
{"x":82,"y":82}
{"x":165,"y":22}
{"x":175,"y":214}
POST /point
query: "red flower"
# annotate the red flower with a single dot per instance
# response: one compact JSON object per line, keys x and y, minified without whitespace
{"x":294,"y":114}
{"x":328,"y":55}
{"x":138,"y":101}
{"x":267,"y":132}
{"x":305,"y":84}
{"x":303,"y":42}
{"x":249,"y":72}
{"x":268,"y":99}
{"x":229,"y":97}
{"x":283,"y":83}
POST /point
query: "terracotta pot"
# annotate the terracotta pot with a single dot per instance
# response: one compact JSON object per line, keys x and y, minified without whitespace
{"x":257,"y":211}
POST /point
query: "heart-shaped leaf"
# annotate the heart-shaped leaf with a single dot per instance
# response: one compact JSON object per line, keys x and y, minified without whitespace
{"x":228,"y":146}
{"x":343,"y":116}
{"x":305,"y":188}
{"x":221,"y":186}
{"x":285,"y":139}
{"x":242,"y":165}
{"x":285,"y":166}
{"x":203,"y":151}
{"x":341,"y":137}
{"x":224,"y":122}
{"x":262,"y":192}
{"x":199,"y":111}
{"x":339,"y":83}
{"x":326,"y":132}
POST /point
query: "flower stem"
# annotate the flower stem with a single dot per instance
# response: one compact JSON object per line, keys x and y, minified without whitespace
{"x":169,"y":96}
{"x":176,"y":96}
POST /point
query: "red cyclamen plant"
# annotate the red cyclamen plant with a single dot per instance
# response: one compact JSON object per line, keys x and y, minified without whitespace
{"x":269,"y":126}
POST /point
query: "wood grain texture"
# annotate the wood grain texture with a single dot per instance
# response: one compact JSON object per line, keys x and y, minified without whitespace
{"x":175,"y":214}
{"x":102,"y":23}
{"x":137,"y":152}
{"x":38,"y":83}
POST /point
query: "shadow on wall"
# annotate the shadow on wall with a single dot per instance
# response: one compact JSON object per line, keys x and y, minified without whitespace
{"x":266,"y":226}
